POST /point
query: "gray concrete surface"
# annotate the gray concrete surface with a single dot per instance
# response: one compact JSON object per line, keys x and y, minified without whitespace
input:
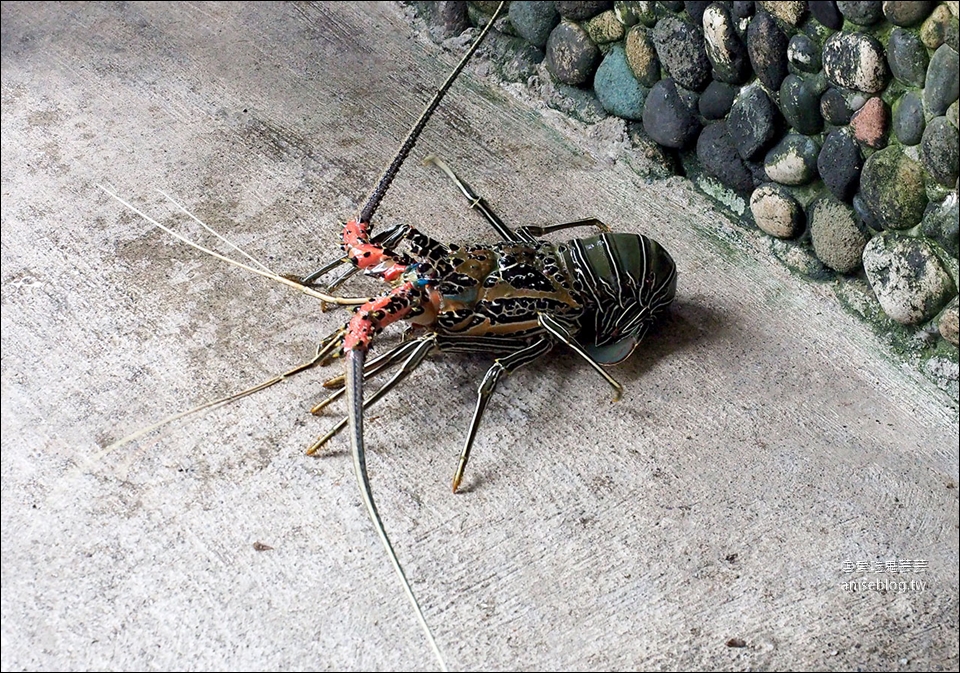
{"x":762,"y":441}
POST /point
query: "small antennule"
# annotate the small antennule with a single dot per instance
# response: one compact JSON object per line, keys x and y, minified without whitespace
{"x":388,"y":175}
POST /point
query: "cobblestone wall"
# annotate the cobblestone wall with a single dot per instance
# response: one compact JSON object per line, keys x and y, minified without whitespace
{"x":831,"y":126}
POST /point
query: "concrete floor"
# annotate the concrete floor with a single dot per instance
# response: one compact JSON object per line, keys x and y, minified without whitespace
{"x":764,"y":439}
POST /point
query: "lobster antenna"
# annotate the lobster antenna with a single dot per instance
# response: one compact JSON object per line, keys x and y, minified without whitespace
{"x":388,"y":175}
{"x":355,"y":359}
{"x":325,"y":349}
{"x":216,"y":233}
{"x":283,"y":280}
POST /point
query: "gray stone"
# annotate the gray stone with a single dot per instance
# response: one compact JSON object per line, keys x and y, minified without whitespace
{"x":942,"y":85}
{"x":695,"y":9}
{"x":907,"y":277}
{"x":941,"y":222}
{"x":804,"y":54}
{"x":617,"y":89}
{"x":571,"y":55}
{"x":719,"y":157}
{"x":534,"y":21}
{"x":582,"y":10}
{"x":669,"y":115}
{"x":837,"y":235}
{"x":940,"y":28}
{"x":864,"y":213}
{"x":517,"y":60}
{"x":817,"y":81}
{"x":800,"y":258}
{"x":726,"y":52}
{"x":908,"y":120}
{"x":680,"y":48}
{"x":840,"y":162}
{"x":793,"y":161}
{"x":716,"y":100}
{"x":892,"y":187}
{"x":642,"y":56}
{"x":799,"y":104}
{"x":631,"y":13}
{"x":752,"y":123}
{"x":855,"y":61}
{"x":940,"y":151}
{"x":907,"y":57}
{"x":445,"y":19}
{"x":855,"y":99}
{"x":604,"y":28}
{"x":827,"y":14}
{"x":743,"y":10}
{"x":861,"y":13}
{"x":949,"y":323}
{"x":776,"y":212}
{"x":907,"y":13}
{"x":767,"y":49}
{"x":833,"y":107}
{"x":788,"y":11}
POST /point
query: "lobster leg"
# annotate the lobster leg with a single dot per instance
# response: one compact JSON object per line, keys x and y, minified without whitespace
{"x":330,"y":346}
{"x":559,"y":331}
{"x":501,"y":366}
{"x":525,"y":234}
{"x":533,"y":230}
{"x":479,"y":203}
{"x":420,"y":349}
{"x":370,"y":369}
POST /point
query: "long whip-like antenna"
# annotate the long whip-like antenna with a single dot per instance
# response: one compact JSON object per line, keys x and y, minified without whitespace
{"x":383,"y":184}
{"x":355,"y":358}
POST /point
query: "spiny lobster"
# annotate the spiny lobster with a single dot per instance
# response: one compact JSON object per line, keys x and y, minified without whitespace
{"x":516,"y":299}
